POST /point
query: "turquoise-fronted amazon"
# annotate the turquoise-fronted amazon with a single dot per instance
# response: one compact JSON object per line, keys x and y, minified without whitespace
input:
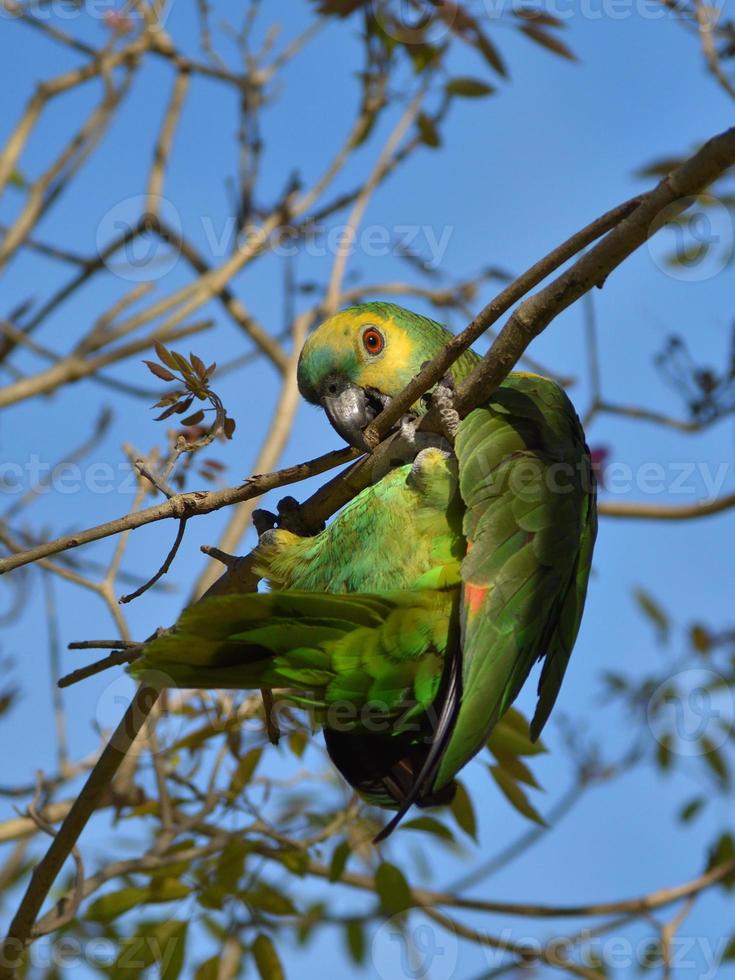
{"x":411,"y":622}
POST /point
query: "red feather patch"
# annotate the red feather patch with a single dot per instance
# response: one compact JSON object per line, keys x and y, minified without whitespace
{"x":474,"y":596}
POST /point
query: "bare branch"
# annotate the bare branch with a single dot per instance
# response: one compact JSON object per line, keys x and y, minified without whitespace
{"x":664,"y":512}
{"x":164,"y":567}
{"x":45,"y":873}
{"x":189,"y":504}
{"x":535,"y":314}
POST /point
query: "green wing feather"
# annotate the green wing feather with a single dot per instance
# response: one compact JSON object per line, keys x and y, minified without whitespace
{"x":384,"y":652}
{"x":530,"y":523}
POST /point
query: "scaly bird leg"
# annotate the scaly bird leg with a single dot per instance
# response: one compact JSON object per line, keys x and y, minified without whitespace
{"x":442,"y":399}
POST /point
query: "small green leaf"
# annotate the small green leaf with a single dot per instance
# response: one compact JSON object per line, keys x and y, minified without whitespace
{"x":244,"y":772}
{"x":268,"y":899}
{"x":615,"y":682}
{"x":548,"y":41}
{"x":309,"y":921}
{"x":16,"y":179}
{"x":650,"y":608}
{"x":663,"y":752}
{"x":690,"y":810}
{"x":515,"y":795}
{"x":393,"y":889}
{"x":516,"y":769}
{"x":428,"y":131}
{"x":266,"y":958}
{"x":293,"y":858}
{"x":723,"y":852}
{"x":511,"y":736}
{"x":169,"y":943}
{"x":715,"y":760}
{"x":468,"y":88}
{"x":687,"y":256}
{"x":355,"y":938}
{"x":340,"y":856}
{"x":490,"y":53}
{"x":297,"y":742}
{"x":231,"y":865}
{"x":429,"y":825}
{"x":464,"y":812}
{"x":209,"y":969}
{"x":423,"y":55}
{"x":110,"y":906}
{"x":539,"y":17}
{"x":700,"y":638}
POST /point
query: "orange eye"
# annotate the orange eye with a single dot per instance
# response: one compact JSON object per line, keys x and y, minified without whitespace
{"x":373,"y":341}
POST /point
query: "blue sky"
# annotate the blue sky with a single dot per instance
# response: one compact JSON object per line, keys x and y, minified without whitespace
{"x":557,"y":145}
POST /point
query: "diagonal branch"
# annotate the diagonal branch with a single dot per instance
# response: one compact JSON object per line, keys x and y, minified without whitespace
{"x":45,"y":873}
{"x":182,"y":505}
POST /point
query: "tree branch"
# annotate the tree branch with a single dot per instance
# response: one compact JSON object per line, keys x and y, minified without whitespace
{"x":665,"y":512}
{"x":45,"y":873}
{"x":190,"y":504}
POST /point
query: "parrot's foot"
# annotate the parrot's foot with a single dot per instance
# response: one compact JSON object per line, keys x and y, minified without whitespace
{"x":412,"y":440}
{"x":443,"y":400}
{"x":264,"y":520}
{"x":290,"y":517}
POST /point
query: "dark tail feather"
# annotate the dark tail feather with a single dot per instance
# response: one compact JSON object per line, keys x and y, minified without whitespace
{"x":445,"y":723}
{"x":397,"y":770}
{"x":383,"y":768}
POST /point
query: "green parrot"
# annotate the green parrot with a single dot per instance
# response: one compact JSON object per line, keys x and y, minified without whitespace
{"x":410,"y":624}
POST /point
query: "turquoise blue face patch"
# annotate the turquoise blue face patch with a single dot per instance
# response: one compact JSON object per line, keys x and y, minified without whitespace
{"x":318,"y":363}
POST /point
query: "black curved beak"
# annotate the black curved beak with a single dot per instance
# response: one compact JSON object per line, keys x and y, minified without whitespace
{"x":349,"y":412}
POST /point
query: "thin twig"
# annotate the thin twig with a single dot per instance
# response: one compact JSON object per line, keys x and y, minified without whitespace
{"x":113,"y":660}
{"x":666,"y":512}
{"x":164,"y":567}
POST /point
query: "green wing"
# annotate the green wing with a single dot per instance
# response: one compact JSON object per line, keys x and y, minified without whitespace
{"x":370,"y":666}
{"x":530,"y":523}
{"x":380,"y":655}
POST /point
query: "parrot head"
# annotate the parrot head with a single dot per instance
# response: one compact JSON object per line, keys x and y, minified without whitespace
{"x":356,"y":361}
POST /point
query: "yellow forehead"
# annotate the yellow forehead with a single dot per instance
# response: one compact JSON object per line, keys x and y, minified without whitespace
{"x":343,"y":333}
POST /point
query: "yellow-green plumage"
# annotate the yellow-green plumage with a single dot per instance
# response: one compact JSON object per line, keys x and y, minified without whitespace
{"x":426,"y":602}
